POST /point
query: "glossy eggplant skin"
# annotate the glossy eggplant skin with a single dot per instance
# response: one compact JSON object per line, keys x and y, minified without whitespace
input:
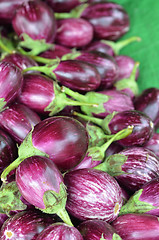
{"x":95,"y":229}
{"x":78,"y":75}
{"x":18,"y":120}
{"x":142,"y":127}
{"x":141,"y":166}
{"x":137,"y":227}
{"x":57,"y":52}
{"x":11,"y":82}
{"x":62,"y":5}
{"x":36,"y":19}
{"x":64,"y":139}
{"x":25,"y":225}
{"x":100,"y":47}
{"x":148,"y":102}
{"x":60,"y":231}
{"x":153,"y":144}
{"x":92,"y":194}
{"x":110,"y":20}
{"x":8,"y":150}
{"x":74,"y":32}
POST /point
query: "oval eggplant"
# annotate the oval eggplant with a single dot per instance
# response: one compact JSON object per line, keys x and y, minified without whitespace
{"x":60,"y":231}
{"x":63,"y":5}
{"x":92,"y":194}
{"x":57,"y":52}
{"x":137,"y":227}
{"x":153,"y":144}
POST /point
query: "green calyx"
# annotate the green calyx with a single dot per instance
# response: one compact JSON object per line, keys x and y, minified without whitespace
{"x":117,"y":46}
{"x":2,"y":104}
{"x":10,"y":198}
{"x":6,"y":45}
{"x":55,"y":203}
{"x":134,"y":205}
{"x":115,"y":237}
{"x":129,"y":82}
{"x":25,"y":150}
{"x":106,"y":121}
{"x":96,"y":135}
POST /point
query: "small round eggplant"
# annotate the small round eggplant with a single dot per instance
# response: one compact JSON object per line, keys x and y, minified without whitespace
{"x":25,"y":225}
{"x":74,"y":32}
{"x":36,"y":19}
{"x":110,"y":20}
{"x":137,"y":227}
{"x":153,"y":144}
{"x":60,"y":231}
{"x":148,"y":102}
{"x":18,"y":120}
{"x":97,"y":230}
{"x":11,"y":83}
{"x":92,"y":194}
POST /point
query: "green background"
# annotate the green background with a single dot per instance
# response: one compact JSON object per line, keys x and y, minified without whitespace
{"x":144,"y":22}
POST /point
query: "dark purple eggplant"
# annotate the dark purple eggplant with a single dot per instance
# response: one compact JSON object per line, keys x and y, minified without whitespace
{"x":18,"y":120}
{"x":132,"y":167}
{"x":63,"y":139}
{"x":113,"y":149}
{"x":8,"y":150}
{"x":56,"y":52}
{"x":3,"y":218}
{"x":97,"y":230}
{"x":74,"y":32}
{"x":148,"y":102}
{"x":11,"y":83}
{"x":153,"y":144}
{"x":63,"y":5}
{"x":20,"y":60}
{"x":26,"y":225}
{"x":92,"y":194}
{"x":36,"y":19}
{"x":137,"y":227}
{"x":110,"y":20}
{"x":41,"y":184}
{"x":145,"y":200}
{"x":60,"y":231}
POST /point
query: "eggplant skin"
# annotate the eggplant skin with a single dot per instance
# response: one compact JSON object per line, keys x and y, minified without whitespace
{"x":137,"y":227}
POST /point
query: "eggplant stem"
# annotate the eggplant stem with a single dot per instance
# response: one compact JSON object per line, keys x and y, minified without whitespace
{"x":65,"y":217}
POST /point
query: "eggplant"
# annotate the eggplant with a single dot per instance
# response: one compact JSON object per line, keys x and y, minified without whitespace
{"x":25,"y":225}
{"x":137,"y":227}
{"x":11,"y":83}
{"x":41,"y":184}
{"x":92,"y":194}
{"x":36,"y":19}
{"x":97,"y":230}
{"x":18,"y":120}
{"x":56,"y":52}
{"x":60,"y":231}
{"x":153,"y":144}
{"x":3,"y":218}
{"x":63,"y":5}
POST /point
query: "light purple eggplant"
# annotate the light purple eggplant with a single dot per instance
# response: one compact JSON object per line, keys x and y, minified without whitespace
{"x":60,"y":231}
{"x":41,"y":184}
{"x":63,"y":139}
{"x":97,"y":230}
{"x":137,"y":227}
{"x":92,"y":194}
{"x":36,"y":19}
{"x":74,"y":32}
{"x":11,"y":83}
{"x":153,"y":144}
{"x":145,"y":200}
{"x":25,"y":225}
{"x":8,"y":150}
{"x":148,"y":102}
{"x":18,"y":120}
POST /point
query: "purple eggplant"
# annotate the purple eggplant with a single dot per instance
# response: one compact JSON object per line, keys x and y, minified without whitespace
{"x":74,"y":32}
{"x":25,"y":225}
{"x":153,"y":144}
{"x":113,"y":149}
{"x":145,"y":200}
{"x":97,"y":230}
{"x":132,"y":167}
{"x":148,"y":102}
{"x":110,"y":20}
{"x":137,"y":227}
{"x":63,"y":139}
{"x":3,"y":218}
{"x":92,"y":194}
{"x":60,"y":231}
{"x":36,"y":19}
{"x":8,"y":9}
{"x":56,"y":52}
{"x":20,"y":60}
{"x":8,"y":150}
{"x":18,"y":120}
{"x":63,"y":5}
{"x":11,"y":83}
{"x":41,"y":184}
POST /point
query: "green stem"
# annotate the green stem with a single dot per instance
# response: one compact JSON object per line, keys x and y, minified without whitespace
{"x":117,"y":46}
{"x":5,"y":48}
{"x":64,"y":216}
{"x":97,"y":121}
{"x":73,"y":94}
{"x":43,"y":60}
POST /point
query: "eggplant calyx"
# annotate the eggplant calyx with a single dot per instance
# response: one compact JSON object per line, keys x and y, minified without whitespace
{"x":2,"y":104}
